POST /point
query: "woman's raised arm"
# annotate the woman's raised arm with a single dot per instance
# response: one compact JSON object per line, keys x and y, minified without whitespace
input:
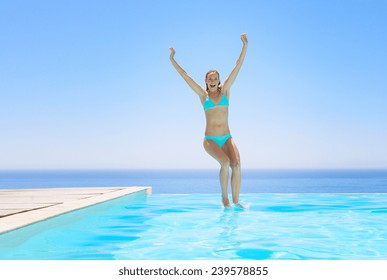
{"x":193,"y":85}
{"x":234,"y":73}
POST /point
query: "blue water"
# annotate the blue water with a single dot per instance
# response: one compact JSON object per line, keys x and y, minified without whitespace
{"x":293,"y":214}
{"x":195,"y":226}
{"x":205,"y":181}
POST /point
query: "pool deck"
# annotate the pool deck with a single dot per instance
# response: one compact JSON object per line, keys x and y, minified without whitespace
{"x":22,"y":207}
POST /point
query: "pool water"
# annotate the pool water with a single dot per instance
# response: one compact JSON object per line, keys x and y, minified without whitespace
{"x":196,"y":226}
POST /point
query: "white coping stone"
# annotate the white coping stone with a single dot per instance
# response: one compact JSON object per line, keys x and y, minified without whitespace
{"x":22,"y":207}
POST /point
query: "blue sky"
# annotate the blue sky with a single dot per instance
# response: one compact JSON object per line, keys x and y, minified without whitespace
{"x":89,"y":84}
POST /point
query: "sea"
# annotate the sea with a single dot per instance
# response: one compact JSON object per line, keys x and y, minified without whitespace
{"x":204,"y":181}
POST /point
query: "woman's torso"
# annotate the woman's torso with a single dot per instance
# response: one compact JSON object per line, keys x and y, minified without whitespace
{"x":216,"y":110}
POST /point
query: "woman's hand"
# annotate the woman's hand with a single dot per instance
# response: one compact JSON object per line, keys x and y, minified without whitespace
{"x":171,"y":56}
{"x":244,"y":38}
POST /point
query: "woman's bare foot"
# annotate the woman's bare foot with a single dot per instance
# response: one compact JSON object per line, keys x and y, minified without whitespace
{"x":226,"y":202}
{"x":238,"y":205}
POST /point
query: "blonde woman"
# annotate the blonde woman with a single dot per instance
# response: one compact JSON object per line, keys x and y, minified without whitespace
{"x":217,"y":140}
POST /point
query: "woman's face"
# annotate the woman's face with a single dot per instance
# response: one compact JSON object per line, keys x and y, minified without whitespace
{"x":212,"y":81}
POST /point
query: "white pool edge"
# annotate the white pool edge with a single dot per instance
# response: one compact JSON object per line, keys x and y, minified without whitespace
{"x":29,"y":206}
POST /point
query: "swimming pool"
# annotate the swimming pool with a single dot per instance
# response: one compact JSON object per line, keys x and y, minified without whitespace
{"x":195,"y":226}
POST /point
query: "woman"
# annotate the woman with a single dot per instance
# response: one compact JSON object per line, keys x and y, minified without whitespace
{"x":218,"y":141}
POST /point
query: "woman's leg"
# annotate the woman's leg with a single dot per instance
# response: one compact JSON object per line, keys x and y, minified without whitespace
{"x":231,"y":150}
{"x":216,"y":152}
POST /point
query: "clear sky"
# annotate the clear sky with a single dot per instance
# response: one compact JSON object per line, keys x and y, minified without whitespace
{"x":89,"y":84}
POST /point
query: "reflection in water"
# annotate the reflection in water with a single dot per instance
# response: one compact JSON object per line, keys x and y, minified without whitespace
{"x":232,"y":240}
{"x":228,"y":222}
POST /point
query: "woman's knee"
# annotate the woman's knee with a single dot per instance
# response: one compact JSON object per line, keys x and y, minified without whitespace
{"x":225,"y":163}
{"x":235,"y":163}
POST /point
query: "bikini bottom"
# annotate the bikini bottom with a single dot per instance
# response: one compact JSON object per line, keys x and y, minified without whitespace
{"x":220,"y":140}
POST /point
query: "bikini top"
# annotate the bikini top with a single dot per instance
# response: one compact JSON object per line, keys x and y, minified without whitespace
{"x":209,"y":104}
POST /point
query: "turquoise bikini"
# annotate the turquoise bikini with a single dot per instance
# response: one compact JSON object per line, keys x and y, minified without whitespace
{"x":220,"y":140}
{"x":209,"y":104}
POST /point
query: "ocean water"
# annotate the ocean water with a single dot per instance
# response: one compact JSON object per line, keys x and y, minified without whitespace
{"x":204,"y":181}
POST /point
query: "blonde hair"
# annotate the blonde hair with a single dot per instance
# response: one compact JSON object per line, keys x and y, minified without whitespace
{"x":216,"y":72}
